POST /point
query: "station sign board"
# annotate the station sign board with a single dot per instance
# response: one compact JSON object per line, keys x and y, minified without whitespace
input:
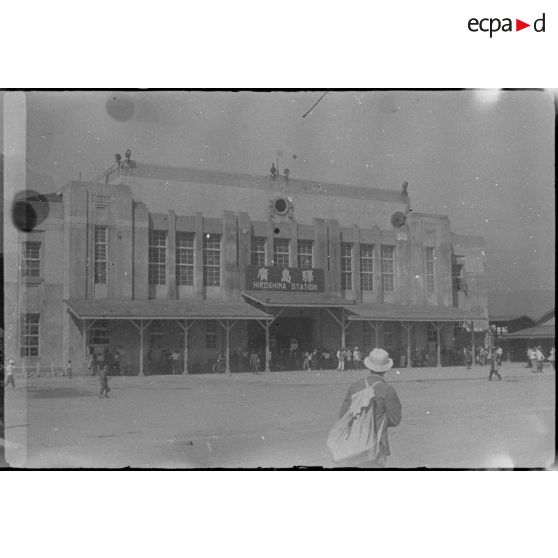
{"x":293,"y":279}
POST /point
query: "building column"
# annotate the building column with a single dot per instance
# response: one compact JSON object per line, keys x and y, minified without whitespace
{"x":293,"y":245}
{"x":186,"y":328}
{"x":141,"y":327}
{"x":408,"y":326}
{"x":227,"y":325}
{"x":438,"y":326}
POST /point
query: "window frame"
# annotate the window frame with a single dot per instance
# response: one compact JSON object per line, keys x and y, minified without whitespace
{"x":26,"y":260}
{"x":28,"y":335}
{"x":185,"y":257}
{"x":281,"y":258}
{"x":430,"y":271}
{"x":346,"y":266}
{"x":257,"y":251}
{"x":387,"y":263}
{"x":305,"y":254}
{"x":212,"y":259}
{"x":157,"y":256}
{"x":367,"y":275}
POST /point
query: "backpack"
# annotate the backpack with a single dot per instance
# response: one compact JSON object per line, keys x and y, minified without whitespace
{"x":354,"y":437}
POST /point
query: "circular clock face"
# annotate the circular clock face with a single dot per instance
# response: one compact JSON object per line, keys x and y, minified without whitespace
{"x":281,"y":206}
{"x":398,"y":219}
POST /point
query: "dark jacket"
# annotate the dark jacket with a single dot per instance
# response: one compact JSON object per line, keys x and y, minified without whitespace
{"x":386,"y":403}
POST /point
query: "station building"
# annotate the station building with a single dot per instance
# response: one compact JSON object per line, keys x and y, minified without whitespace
{"x":154,"y":260}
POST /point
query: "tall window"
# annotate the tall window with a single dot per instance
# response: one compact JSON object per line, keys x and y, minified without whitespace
{"x":281,"y":252}
{"x":304,"y":256}
{"x":432,"y":334}
{"x":258,"y":251}
{"x":100,"y":255}
{"x":367,"y":267}
{"x":346,"y":266}
{"x":387,"y":268}
{"x":31,"y":265}
{"x":210,"y":334}
{"x":30,"y":335}
{"x":212,"y":260}
{"x":184,"y":258}
{"x":157,"y":257}
{"x":430,"y":271}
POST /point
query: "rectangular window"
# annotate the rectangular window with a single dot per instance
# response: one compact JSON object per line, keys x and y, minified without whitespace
{"x":281,"y":252}
{"x":305,"y":250}
{"x":346,"y":266}
{"x":31,"y":265}
{"x":432,"y":334}
{"x":387,"y":268}
{"x":184,"y":258}
{"x":210,"y":334}
{"x":30,"y":335}
{"x":258,"y":251}
{"x":99,"y":336}
{"x":157,"y":257}
{"x":100,"y":255}
{"x":367,"y":267}
{"x":430,"y":271}
{"x":212,"y":260}
{"x":388,"y":334}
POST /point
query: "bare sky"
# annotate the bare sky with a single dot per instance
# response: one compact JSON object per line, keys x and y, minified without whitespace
{"x":485,"y":159}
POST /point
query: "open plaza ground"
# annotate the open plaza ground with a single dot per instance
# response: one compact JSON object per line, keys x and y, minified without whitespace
{"x":452,"y":418}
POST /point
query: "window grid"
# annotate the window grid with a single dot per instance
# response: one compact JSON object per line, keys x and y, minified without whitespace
{"x":31,"y":259}
{"x":281,"y":252}
{"x":30,"y":335}
{"x":100,"y":255}
{"x":346,"y":266}
{"x":212,"y":260}
{"x":184,"y":258}
{"x":430,"y":271}
{"x":211,"y":335}
{"x":367,"y":267}
{"x":387,"y":268}
{"x":258,"y":251}
{"x":99,"y":336}
{"x":305,"y":250}
{"x":157,"y":257}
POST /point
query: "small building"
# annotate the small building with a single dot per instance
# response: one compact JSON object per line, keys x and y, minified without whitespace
{"x":541,"y":333}
{"x":152,"y":260}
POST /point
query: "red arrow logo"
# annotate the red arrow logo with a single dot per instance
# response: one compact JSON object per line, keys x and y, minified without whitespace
{"x":519,"y":25}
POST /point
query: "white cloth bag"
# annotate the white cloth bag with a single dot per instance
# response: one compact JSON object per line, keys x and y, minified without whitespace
{"x":353,"y":437}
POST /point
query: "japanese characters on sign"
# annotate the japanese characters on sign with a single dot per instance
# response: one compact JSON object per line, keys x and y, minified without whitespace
{"x":267,"y":278}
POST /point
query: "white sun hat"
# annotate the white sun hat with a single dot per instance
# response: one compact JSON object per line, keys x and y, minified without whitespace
{"x":378,"y":361}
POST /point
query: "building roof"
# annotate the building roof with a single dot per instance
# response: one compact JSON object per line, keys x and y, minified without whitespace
{"x":164,"y":310}
{"x":296,"y":299}
{"x":239,"y":180}
{"x":537,"y":332}
{"x":515,"y":304}
{"x":396,"y":312}
{"x":508,"y":318}
{"x":547,"y":316}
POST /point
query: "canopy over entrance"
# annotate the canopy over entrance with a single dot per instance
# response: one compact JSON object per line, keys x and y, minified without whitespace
{"x":408,"y":313}
{"x":296,"y":299}
{"x":537,"y":332}
{"x":164,"y":310}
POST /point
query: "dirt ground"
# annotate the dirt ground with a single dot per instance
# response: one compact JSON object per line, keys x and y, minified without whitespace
{"x":452,"y":418}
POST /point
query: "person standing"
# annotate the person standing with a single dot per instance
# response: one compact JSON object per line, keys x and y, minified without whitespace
{"x":532,"y":359}
{"x":552,"y":357}
{"x":91,"y":364}
{"x":387,"y":407}
{"x":103,"y":379}
{"x":175,"y":358}
{"x":69,"y":369}
{"x":254,"y":362}
{"x":539,"y":359}
{"x":357,"y":357}
{"x":10,"y":373}
{"x":341,"y":359}
{"x":349,"y":359}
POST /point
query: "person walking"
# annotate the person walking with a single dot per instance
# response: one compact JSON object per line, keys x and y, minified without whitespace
{"x":494,"y":364}
{"x":103,"y":379}
{"x":341,"y":359}
{"x":254,"y":362}
{"x":532,"y":354}
{"x":468,"y":358}
{"x":91,"y":364}
{"x":10,"y":373}
{"x":386,"y":404}
{"x":552,"y":358}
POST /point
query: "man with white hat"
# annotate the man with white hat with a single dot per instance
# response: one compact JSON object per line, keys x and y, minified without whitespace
{"x":10,"y":373}
{"x":386,"y":401}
